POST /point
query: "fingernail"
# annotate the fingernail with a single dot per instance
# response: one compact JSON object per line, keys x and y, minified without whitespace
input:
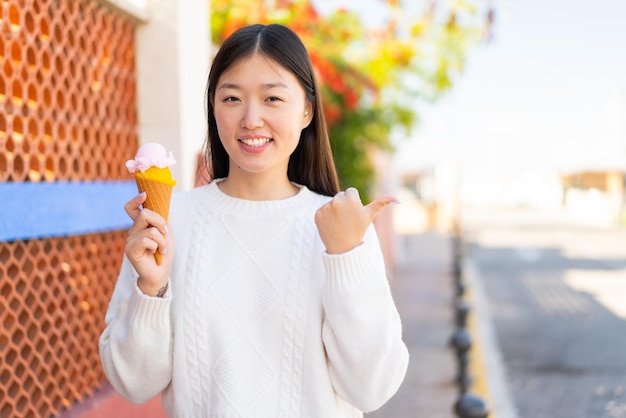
{"x":164,"y":252}
{"x":395,"y":202}
{"x":142,"y":194}
{"x":165,"y":229}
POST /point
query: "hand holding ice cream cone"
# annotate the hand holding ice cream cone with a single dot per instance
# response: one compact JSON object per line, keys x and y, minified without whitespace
{"x":153,"y":176}
{"x":146,"y":237}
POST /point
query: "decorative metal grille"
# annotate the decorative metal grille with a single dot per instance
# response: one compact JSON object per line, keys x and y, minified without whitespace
{"x":54,"y":295}
{"x":67,"y":91}
{"x":67,"y":112}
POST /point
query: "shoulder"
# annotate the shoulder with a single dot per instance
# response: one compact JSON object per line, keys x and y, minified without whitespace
{"x":189,"y":197}
{"x":185,"y":208}
{"x":184,"y":204}
{"x":198,"y":195}
{"x":315,"y":200}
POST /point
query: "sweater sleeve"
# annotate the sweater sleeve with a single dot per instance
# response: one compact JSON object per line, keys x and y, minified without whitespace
{"x":362,"y":333}
{"x":136,"y":345}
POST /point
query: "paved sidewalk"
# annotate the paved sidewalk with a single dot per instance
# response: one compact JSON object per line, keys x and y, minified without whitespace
{"x":422,"y":285}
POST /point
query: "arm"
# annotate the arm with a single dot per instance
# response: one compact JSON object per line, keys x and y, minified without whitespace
{"x":136,"y":345}
{"x":362,"y":333}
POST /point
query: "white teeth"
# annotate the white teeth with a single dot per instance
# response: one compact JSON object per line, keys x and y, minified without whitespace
{"x":256,"y":142}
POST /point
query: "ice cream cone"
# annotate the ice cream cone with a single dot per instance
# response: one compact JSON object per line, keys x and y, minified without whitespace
{"x":153,"y":176}
{"x":158,"y":184}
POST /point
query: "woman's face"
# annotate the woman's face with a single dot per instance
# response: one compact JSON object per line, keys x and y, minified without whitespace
{"x":260,"y":110}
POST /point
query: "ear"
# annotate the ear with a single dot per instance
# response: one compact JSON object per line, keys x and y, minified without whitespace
{"x":307,"y":116}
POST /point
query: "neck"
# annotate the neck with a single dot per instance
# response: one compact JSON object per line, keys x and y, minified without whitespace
{"x":257,"y":187}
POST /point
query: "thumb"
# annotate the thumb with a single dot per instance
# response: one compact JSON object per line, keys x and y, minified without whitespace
{"x":378,"y":204}
{"x":132,"y":207}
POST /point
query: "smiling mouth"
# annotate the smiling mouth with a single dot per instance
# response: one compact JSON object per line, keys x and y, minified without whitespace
{"x":256,"y":142}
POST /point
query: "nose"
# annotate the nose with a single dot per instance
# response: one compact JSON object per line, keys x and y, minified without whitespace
{"x":252,"y":117}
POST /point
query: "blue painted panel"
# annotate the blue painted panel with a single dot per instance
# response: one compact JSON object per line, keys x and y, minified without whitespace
{"x":37,"y":210}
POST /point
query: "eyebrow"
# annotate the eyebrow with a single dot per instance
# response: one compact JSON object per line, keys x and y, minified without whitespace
{"x":267,"y":86}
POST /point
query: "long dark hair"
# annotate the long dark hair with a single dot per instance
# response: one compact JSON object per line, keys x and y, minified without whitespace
{"x":311,"y":164}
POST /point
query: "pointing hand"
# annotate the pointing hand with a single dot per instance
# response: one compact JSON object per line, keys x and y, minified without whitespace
{"x":343,"y":222}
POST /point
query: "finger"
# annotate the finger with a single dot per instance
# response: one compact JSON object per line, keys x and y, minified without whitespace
{"x":353,"y":193}
{"x":138,"y":246}
{"x":148,"y":218}
{"x":132,"y":206}
{"x":157,"y":236}
{"x":378,"y":204}
{"x":148,"y":240}
{"x":340,"y":194}
{"x":150,"y":244}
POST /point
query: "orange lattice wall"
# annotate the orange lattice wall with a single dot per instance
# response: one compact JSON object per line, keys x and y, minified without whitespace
{"x":67,"y":91}
{"x":54,"y":292}
{"x":67,"y":113}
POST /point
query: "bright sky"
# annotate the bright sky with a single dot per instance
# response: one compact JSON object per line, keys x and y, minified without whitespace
{"x":548,"y":93}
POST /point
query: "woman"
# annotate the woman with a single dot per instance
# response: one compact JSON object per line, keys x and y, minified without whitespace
{"x":275,"y":301}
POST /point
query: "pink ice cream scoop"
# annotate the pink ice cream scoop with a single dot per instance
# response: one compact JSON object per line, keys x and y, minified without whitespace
{"x":151,"y":154}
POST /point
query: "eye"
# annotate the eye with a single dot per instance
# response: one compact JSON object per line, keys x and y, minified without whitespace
{"x":230,"y":99}
{"x":273,"y":99}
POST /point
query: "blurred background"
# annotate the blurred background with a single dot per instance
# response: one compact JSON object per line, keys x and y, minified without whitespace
{"x":499,"y":124}
{"x":536,"y":119}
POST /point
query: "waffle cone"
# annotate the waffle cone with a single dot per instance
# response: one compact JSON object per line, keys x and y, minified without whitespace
{"x":158,"y":187}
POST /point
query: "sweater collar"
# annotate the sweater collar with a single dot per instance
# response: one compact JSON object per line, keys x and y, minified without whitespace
{"x":217,"y":197}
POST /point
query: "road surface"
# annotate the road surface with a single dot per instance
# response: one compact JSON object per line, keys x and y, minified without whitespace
{"x":556,"y":291}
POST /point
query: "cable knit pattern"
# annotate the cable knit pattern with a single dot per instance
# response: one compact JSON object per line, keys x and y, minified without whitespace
{"x":295,"y":310}
{"x":262,"y":323}
{"x":199,"y":364}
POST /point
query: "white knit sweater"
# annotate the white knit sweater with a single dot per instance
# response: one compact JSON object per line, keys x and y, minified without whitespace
{"x":259,"y":321}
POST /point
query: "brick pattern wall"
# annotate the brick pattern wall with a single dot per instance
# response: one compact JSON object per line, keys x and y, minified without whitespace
{"x":67,"y":113}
